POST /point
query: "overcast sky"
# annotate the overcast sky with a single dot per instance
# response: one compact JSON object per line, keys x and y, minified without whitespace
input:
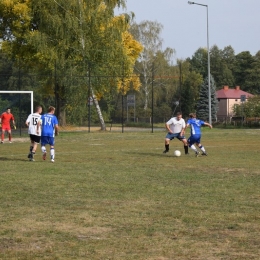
{"x":231,"y":22}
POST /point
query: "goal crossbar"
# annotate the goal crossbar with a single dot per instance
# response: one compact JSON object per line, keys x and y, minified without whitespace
{"x":20,"y":92}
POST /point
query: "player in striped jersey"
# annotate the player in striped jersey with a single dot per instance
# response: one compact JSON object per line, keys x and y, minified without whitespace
{"x":35,"y":137}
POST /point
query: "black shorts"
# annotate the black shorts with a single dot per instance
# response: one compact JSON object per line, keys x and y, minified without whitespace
{"x":35,"y":138}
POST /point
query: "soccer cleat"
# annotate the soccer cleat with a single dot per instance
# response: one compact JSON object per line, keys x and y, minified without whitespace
{"x":10,"y":142}
{"x":44,"y":156}
{"x":197,"y":154}
{"x":2,"y":142}
{"x":29,"y":155}
{"x":31,"y":160}
{"x":52,"y":160}
{"x":165,"y":151}
{"x":204,"y":154}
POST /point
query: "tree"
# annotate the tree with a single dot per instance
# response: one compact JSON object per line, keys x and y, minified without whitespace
{"x":251,"y":108}
{"x":221,"y":64}
{"x":199,"y":62}
{"x":152,"y":57}
{"x":63,"y":39}
{"x":228,"y":55}
{"x":5,"y":70}
{"x":220,"y":70}
{"x":243,"y":67}
{"x":190,"y":90}
{"x":203,"y":104}
{"x":13,"y":76}
{"x":252,"y":81}
{"x":165,"y":79}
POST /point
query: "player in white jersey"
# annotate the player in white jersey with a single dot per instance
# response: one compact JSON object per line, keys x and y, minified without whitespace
{"x":175,"y":127}
{"x":35,"y":137}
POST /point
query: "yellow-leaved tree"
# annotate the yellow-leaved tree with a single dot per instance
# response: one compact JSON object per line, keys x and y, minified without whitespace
{"x":67,"y":38}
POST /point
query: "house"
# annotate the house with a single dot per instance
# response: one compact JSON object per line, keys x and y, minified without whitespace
{"x":227,"y":98}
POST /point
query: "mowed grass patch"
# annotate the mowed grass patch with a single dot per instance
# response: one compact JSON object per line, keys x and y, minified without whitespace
{"x":117,"y":196}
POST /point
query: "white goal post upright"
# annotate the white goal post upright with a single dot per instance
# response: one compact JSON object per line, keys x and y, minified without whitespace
{"x":21,"y":92}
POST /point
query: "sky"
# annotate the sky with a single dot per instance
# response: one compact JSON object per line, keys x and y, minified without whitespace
{"x":230,"y":22}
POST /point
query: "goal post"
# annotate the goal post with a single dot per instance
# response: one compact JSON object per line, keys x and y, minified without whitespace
{"x":20,"y":92}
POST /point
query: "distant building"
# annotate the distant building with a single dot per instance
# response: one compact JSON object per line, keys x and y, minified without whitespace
{"x":227,"y":98}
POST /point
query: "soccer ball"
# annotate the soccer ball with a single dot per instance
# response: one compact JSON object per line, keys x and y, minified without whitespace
{"x":177,"y":153}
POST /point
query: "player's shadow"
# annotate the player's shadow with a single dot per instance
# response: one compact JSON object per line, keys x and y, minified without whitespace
{"x":12,"y":159}
{"x":161,"y":154}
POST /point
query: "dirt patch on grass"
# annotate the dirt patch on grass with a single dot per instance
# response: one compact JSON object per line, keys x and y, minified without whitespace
{"x":21,"y":140}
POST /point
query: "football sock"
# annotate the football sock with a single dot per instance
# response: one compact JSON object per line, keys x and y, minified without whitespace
{"x":186,"y":149}
{"x":3,"y":136}
{"x":33,"y":153}
{"x":31,"y":148}
{"x":202,"y":149}
{"x":52,"y":153}
{"x":167,"y":147}
{"x":10,"y":137}
{"x":193,"y":148}
{"x":43,"y":149}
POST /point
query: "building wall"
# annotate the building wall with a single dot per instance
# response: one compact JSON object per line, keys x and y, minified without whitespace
{"x":231,"y":103}
{"x":225,"y":107}
{"x":222,"y":108}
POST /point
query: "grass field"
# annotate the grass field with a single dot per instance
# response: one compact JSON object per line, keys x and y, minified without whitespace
{"x":116,"y":196}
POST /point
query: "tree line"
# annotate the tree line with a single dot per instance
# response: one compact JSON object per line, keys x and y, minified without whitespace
{"x":186,"y":82}
{"x":71,"y":51}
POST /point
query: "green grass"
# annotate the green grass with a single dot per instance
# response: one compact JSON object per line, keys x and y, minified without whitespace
{"x":116,"y":196}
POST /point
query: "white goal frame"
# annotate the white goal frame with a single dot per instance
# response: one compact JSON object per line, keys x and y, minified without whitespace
{"x":20,"y":92}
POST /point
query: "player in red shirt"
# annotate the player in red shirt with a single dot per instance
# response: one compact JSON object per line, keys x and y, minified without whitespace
{"x":5,"y":119}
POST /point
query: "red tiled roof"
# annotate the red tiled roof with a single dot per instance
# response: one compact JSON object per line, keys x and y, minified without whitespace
{"x":232,"y":93}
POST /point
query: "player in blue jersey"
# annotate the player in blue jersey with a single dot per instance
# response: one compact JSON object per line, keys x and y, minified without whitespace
{"x":49,"y":125}
{"x":195,"y":125}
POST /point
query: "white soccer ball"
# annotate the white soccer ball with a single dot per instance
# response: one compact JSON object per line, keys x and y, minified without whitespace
{"x":177,"y":153}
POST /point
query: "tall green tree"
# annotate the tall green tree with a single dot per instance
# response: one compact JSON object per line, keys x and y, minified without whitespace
{"x":203,"y":102}
{"x":220,"y":67}
{"x":229,"y":57}
{"x":5,"y":71}
{"x":221,"y":64}
{"x":199,"y":62}
{"x":190,"y":90}
{"x":252,"y":80}
{"x":243,"y":67}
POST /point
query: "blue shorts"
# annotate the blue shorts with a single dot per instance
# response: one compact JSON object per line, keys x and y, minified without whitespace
{"x":172,"y":136}
{"x":47,"y":140}
{"x":194,"y":139}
